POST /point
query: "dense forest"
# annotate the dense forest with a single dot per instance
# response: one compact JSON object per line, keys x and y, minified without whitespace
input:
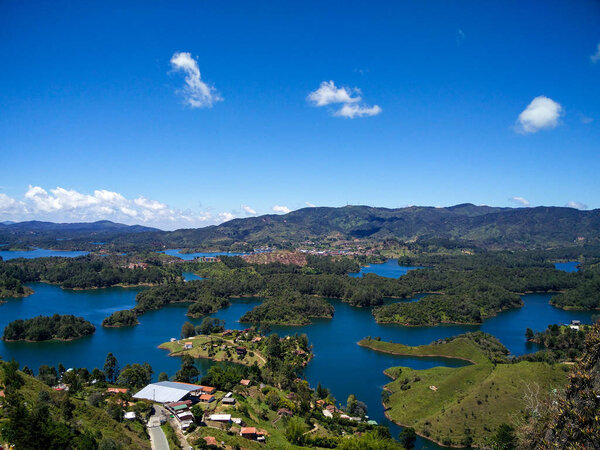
{"x":85,"y":272}
{"x":289,"y":309}
{"x":586,"y":295}
{"x":44,"y":328}
{"x":463,"y":293}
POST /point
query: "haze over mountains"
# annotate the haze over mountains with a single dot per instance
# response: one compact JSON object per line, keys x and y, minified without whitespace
{"x":476,"y":225}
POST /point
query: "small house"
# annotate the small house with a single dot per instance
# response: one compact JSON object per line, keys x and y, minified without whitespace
{"x":209,"y":389}
{"x":245,"y":382}
{"x":206,"y":398}
{"x":228,"y":401}
{"x":220,"y":417}
{"x":241,"y":351}
{"x":248,"y":432}
{"x":210,"y":440}
{"x":129,"y":415}
{"x":188,"y":345}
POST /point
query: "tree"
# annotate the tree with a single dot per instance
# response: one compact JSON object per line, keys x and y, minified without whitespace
{"x":111,"y":367}
{"x":294,"y":431}
{"x":505,"y":438}
{"x":163,"y":376}
{"x":408,"y":437}
{"x":188,"y":330}
{"x":188,"y":372}
{"x":529,"y":334}
{"x":135,"y":376}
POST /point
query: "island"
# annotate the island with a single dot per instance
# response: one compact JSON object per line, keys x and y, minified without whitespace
{"x":123,"y":318}
{"x":247,"y":347}
{"x":45,"y":328}
{"x":289,"y":309}
{"x":465,"y":406}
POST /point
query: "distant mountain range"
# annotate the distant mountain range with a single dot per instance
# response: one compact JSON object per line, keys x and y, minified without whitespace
{"x":479,"y":225}
{"x":476,"y":225}
{"x":35,"y":231}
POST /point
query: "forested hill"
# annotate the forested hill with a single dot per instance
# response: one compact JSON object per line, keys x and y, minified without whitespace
{"x":476,"y":225}
{"x":50,"y":235}
{"x":480,"y":225}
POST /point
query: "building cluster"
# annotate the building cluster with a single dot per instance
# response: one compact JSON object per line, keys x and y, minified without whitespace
{"x":179,"y":399}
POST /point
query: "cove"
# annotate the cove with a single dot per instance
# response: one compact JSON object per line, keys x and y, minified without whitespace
{"x":389,"y":269}
{"x":39,"y":253}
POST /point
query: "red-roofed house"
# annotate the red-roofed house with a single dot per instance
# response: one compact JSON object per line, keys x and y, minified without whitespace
{"x":207,"y":398}
{"x":210,"y":440}
{"x":209,"y":389}
{"x":245,"y":382}
{"x":248,"y":432}
{"x":114,"y":390}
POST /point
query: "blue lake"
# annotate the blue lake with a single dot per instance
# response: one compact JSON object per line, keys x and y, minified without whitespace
{"x":389,"y":269}
{"x":339,"y":363}
{"x":39,"y":253}
{"x":190,"y":256}
{"x":570,"y":266}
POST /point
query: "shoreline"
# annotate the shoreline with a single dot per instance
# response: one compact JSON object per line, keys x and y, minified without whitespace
{"x":412,"y":355}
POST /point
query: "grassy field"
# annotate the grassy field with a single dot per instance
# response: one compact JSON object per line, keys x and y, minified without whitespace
{"x":203,"y":345}
{"x":466,"y":404}
{"x":460,"y":348}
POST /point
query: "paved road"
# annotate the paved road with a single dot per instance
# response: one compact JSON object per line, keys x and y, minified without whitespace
{"x":157,"y":435}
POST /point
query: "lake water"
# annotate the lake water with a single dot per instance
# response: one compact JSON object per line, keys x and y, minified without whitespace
{"x":189,"y":256}
{"x":389,"y":269}
{"x":39,"y":253}
{"x":570,"y":266}
{"x":339,"y":363}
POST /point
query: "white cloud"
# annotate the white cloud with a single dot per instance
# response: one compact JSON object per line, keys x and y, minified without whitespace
{"x":596,"y":56}
{"x":328,"y":94}
{"x":576,"y":205}
{"x":310,"y":205}
{"x":520,"y":200}
{"x":586,"y":120}
{"x":541,"y":113}
{"x":196,"y":92}
{"x":68,"y":205}
{"x":225,"y":216}
{"x":248,"y":209}
{"x":281,"y":209}
{"x":351,"y":111}
{"x":460,"y":37}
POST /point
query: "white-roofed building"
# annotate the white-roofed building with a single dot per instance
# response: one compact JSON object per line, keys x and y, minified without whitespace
{"x":168,"y":391}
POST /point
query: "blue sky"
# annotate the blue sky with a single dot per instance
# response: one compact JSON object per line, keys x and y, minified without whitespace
{"x":96,"y":120}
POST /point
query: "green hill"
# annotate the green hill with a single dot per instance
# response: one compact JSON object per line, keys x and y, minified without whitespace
{"x":34,"y":416}
{"x":466,"y":405}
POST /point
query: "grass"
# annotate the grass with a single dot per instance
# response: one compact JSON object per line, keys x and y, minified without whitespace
{"x":460,"y":348}
{"x":201,"y":345}
{"x":171,"y":436}
{"x":469,"y":401}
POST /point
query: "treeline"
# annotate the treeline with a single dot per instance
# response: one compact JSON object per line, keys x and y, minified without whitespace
{"x":44,"y":328}
{"x":464,"y":304}
{"x":290,"y":308}
{"x":586,"y":295}
{"x":467,"y":296}
{"x":90,"y":271}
